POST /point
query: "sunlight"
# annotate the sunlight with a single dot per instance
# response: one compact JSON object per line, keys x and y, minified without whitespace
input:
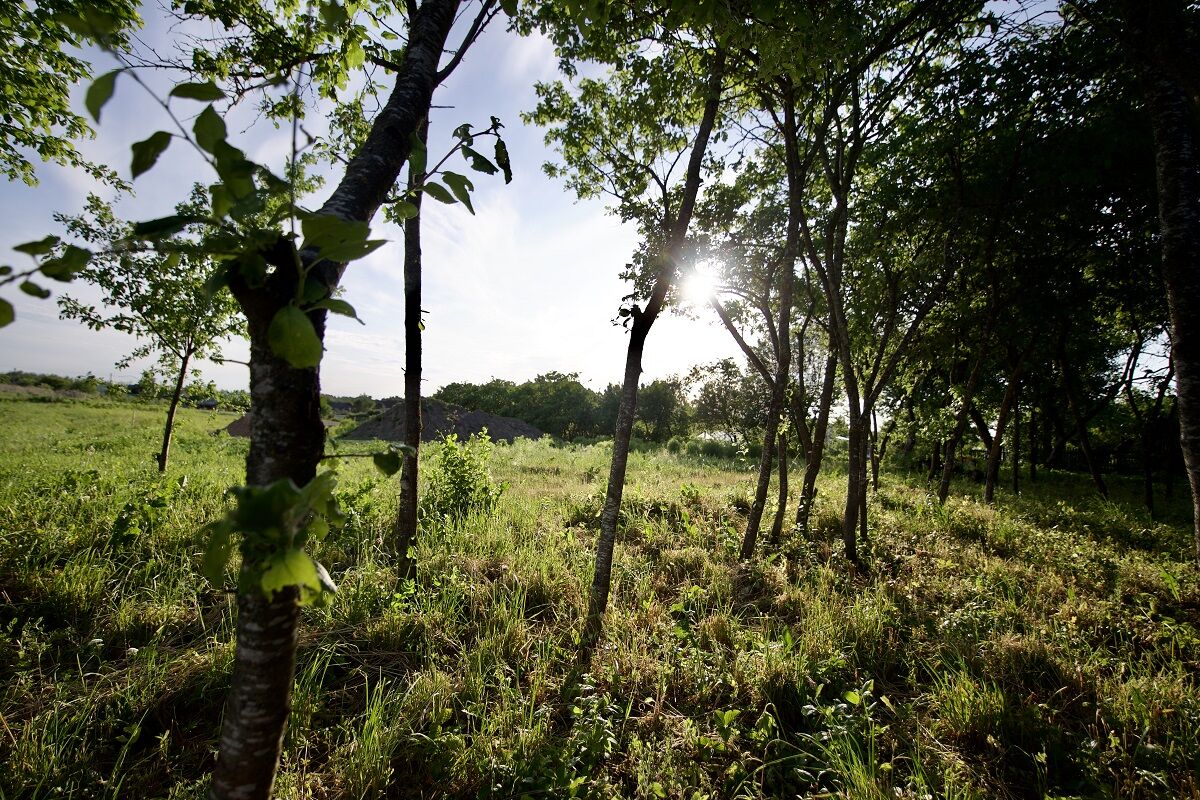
{"x":701,"y":283}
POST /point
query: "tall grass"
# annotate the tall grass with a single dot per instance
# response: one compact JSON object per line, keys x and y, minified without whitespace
{"x":1046,"y":646}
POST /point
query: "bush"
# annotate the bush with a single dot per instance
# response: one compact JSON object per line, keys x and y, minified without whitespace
{"x":459,"y":481}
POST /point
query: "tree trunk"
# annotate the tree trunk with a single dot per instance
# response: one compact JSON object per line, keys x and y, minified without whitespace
{"x":405,"y":529}
{"x":876,"y":455}
{"x":981,"y":427}
{"x":863,"y":484}
{"x":855,"y":476}
{"x":1033,"y":443}
{"x":286,"y":441}
{"x":812,"y":460}
{"x":1016,"y":448}
{"x":287,"y":437}
{"x":994,"y":452}
{"x":610,"y":514}
{"x":1085,"y":442}
{"x":761,"y":488}
{"x":783,"y":332}
{"x":960,"y":424}
{"x":781,"y":506}
{"x":642,"y":322}
{"x":165,"y":452}
{"x":1176,"y":137}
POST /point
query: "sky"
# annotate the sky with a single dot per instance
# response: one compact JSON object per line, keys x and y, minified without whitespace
{"x":526,"y":286}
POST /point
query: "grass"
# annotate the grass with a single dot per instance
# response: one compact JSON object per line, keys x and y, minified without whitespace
{"x":1044,"y":647}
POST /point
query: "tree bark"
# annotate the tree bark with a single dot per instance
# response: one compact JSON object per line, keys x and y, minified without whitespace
{"x":960,"y":424}
{"x":288,"y":438}
{"x":863,"y":485}
{"x":783,"y":331}
{"x":286,"y":441}
{"x":642,"y":321}
{"x":1075,"y":405}
{"x":1033,"y":443}
{"x":813,"y":458}
{"x":994,"y":452}
{"x":763,"y":484}
{"x":405,"y":528}
{"x":781,"y":506}
{"x":875,"y":450}
{"x":855,"y":476}
{"x":1176,"y":138}
{"x":165,"y":452}
{"x":1016,"y":447}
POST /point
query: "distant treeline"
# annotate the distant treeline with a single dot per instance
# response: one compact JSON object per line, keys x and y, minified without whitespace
{"x":563,"y":407}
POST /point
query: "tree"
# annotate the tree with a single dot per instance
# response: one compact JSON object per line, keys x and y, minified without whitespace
{"x":662,"y":410}
{"x":38,"y":71}
{"x":856,"y":122}
{"x":284,"y":286}
{"x":1161,"y":40}
{"x":624,"y":136}
{"x":160,"y":298}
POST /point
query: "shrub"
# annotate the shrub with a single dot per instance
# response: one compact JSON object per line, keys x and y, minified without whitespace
{"x":459,"y":481}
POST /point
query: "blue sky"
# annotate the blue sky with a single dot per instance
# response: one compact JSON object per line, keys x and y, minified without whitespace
{"x":527,"y":285}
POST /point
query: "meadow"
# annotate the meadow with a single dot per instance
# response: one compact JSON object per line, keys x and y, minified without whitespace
{"x":1046,"y":646}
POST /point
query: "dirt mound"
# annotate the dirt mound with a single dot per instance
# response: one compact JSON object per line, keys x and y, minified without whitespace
{"x":439,"y":419}
{"x":242,"y":426}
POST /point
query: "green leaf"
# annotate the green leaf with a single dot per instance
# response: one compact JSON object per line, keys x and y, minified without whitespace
{"x":338,"y":306}
{"x":502,"y":159}
{"x":404,"y":210}
{"x":479,"y":163}
{"x":205,"y":92}
{"x":417,"y":154}
{"x":509,"y":7}
{"x":318,"y":528}
{"x":355,"y":55}
{"x":222,"y":201}
{"x":29,"y":287}
{"x":461,"y":186}
{"x":39,"y":248}
{"x":64,"y":267}
{"x":216,"y":555}
{"x":100,"y":92}
{"x":291,"y":568}
{"x":165,"y":226}
{"x":438,"y":192}
{"x":91,"y":23}
{"x":293,"y":338}
{"x":853,"y":697}
{"x":216,"y":282}
{"x":6,"y":312}
{"x":338,"y":239}
{"x":209,"y":129}
{"x":388,"y":463}
{"x":333,"y":16}
{"x":147,"y":151}
{"x":235,"y":170}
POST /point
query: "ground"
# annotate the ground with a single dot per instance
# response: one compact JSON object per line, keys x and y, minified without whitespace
{"x":1044,"y":647}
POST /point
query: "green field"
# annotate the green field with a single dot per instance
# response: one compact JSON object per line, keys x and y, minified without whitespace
{"x":1044,"y":647}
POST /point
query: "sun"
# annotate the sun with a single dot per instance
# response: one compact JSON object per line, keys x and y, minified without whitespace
{"x":700,"y":284}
